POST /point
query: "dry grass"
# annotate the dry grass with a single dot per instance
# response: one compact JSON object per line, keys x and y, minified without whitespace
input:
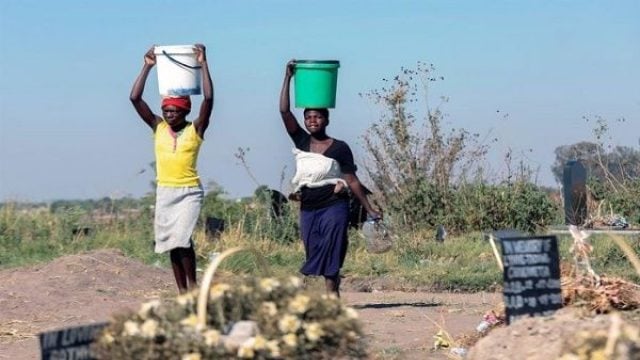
{"x":610,"y":294}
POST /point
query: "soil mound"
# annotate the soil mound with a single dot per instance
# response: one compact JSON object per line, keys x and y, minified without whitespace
{"x":543,"y":338}
{"x":73,"y":290}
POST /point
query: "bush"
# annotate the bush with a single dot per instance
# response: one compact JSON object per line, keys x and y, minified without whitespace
{"x":422,"y":172}
{"x":624,"y":200}
{"x":520,"y":205}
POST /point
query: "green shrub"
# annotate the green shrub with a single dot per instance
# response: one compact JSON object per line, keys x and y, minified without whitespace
{"x":520,"y":205}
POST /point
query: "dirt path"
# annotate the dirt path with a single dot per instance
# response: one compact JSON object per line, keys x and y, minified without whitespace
{"x":87,"y":288}
{"x":402,"y":325}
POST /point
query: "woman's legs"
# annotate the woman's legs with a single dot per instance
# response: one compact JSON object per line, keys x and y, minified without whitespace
{"x":332,"y":284}
{"x":183,"y":262}
{"x":324,"y":235}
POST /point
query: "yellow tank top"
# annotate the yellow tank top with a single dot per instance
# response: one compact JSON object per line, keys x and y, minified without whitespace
{"x":177,"y":155}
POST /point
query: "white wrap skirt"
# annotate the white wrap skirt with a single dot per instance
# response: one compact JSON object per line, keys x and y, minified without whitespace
{"x":176,"y":214}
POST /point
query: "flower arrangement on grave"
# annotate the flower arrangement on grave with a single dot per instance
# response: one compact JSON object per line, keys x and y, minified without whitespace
{"x":253,"y":318}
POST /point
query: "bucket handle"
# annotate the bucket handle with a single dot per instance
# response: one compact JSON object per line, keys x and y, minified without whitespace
{"x":195,"y":67}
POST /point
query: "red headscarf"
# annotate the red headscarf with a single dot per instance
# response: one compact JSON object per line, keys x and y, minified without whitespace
{"x":182,"y":102}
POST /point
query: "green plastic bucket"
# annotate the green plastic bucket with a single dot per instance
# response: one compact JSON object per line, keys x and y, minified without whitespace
{"x":315,"y":83}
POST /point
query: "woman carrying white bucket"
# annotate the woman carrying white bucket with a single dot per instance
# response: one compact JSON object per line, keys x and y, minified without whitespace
{"x":179,"y":192}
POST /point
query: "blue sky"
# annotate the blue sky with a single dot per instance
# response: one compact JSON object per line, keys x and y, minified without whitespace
{"x":67,"y":129}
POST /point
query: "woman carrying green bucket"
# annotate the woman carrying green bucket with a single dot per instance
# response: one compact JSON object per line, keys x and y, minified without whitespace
{"x":325,"y":176}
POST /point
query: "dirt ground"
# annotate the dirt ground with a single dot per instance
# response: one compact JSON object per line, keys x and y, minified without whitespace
{"x":91,"y":287}
{"x":87,"y":288}
{"x":543,"y":338}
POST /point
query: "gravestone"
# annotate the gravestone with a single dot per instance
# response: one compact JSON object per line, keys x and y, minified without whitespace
{"x":69,"y":343}
{"x":574,"y":185}
{"x":278,"y":203}
{"x":273,"y":199}
{"x":531,"y":276}
{"x":81,"y":230}
{"x":441,"y":233}
{"x":214,"y":226}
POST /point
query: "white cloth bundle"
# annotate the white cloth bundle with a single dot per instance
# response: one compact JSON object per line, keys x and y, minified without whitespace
{"x":315,"y":170}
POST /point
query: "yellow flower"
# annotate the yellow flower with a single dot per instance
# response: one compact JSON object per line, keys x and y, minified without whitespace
{"x":244,"y":289}
{"x":218,"y":290}
{"x":295,"y":281}
{"x":289,"y":323}
{"x":260,"y":343}
{"x":191,"y":320}
{"x":274,"y":349}
{"x":313,"y":331}
{"x":441,"y":340}
{"x":149,"y":328}
{"x":291,"y":340}
{"x":148,"y":307}
{"x":268,"y":284}
{"x":107,"y":338}
{"x":351,"y":313}
{"x":185,"y":299}
{"x":329,"y":297}
{"x":192,"y":356}
{"x":245,"y":350}
{"x":269,"y":308}
{"x":131,"y":328}
{"x":211,"y":337}
{"x":299,"y":304}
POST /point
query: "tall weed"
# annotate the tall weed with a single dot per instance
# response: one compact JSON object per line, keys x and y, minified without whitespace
{"x":426,"y":175}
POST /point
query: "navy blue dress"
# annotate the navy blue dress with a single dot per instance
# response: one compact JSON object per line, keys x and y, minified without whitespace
{"x":324,"y":215}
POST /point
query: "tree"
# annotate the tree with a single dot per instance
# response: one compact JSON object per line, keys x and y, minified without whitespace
{"x":620,"y":164}
{"x":585,"y":151}
{"x":613,"y":173}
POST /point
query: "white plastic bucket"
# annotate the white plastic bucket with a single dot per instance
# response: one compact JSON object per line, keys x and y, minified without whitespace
{"x":178,"y":70}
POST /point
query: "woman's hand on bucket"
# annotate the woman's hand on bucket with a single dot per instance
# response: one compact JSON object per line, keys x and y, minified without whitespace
{"x":150,"y":57}
{"x":290,"y":68}
{"x":201,"y":53}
